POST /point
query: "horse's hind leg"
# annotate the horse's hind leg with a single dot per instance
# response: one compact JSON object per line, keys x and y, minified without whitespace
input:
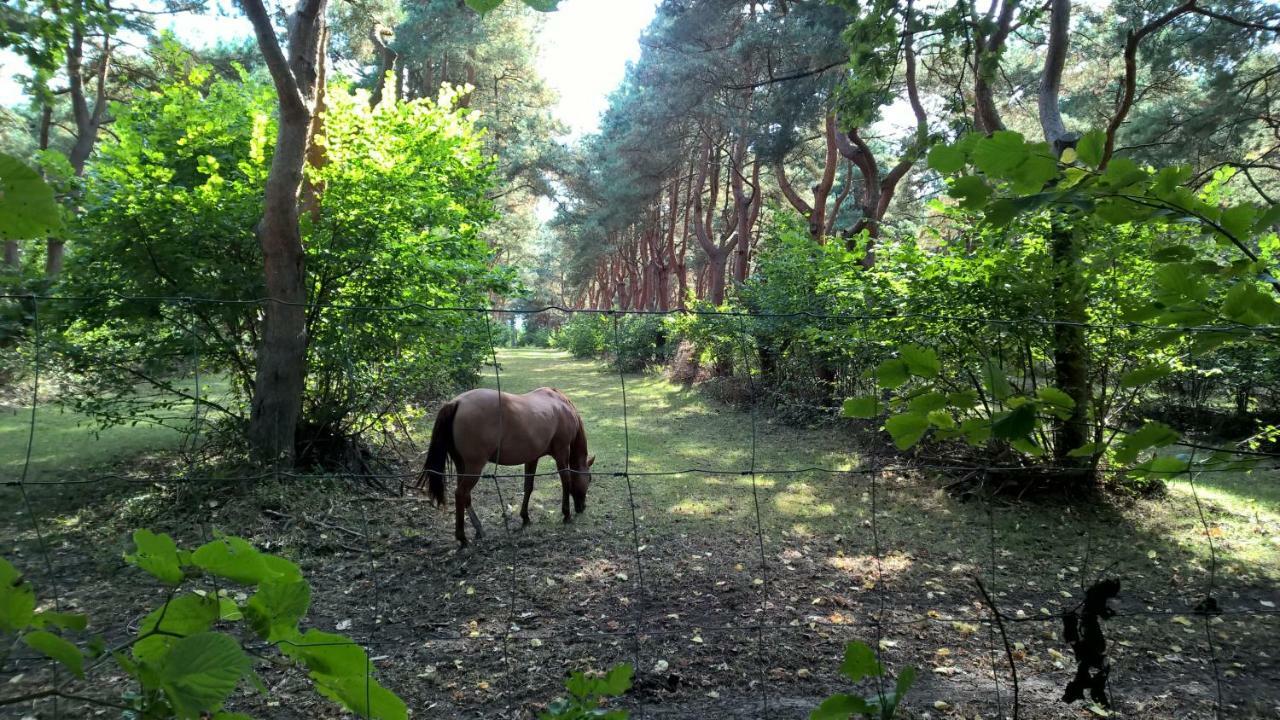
{"x":530,"y":469}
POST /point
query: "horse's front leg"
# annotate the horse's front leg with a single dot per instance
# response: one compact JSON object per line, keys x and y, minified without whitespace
{"x":566,"y":481}
{"x":530,"y":469}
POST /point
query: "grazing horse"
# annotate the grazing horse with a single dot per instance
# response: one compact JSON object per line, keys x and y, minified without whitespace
{"x":483,"y":426}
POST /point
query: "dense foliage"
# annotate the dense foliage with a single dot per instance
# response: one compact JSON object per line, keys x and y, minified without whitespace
{"x":190,"y":654}
{"x":172,"y":202}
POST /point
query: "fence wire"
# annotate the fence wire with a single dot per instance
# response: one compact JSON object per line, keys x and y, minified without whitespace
{"x":985,"y":607}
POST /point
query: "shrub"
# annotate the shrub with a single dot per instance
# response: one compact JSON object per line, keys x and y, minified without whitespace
{"x":189,"y":655}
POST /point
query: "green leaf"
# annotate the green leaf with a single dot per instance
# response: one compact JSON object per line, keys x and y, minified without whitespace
{"x":1238,"y":220}
{"x":926,"y":402}
{"x":1090,"y":147}
{"x":1144,"y":375}
{"x":484,"y":6}
{"x":362,"y":695}
{"x":859,"y":662}
{"x":1026,"y":445}
{"x":1039,"y":168}
{"x":946,"y":159}
{"x":28,"y":208}
{"x":1248,"y":305}
{"x":50,"y":645}
{"x":156,"y":554}
{"x":866,"y":407}
{"x":906,"y":679}
{"x":235,"y":559}
{"x":1163,"y":465}
{"x":1000,"y":152}
{"x":963,"y":399}
{"x":892,"y":374}
{"x":1087,"y":450}
{"x":993,"y":378}
{"x":1174,"y":253}
{"x":17,"y":599}
{"x":921,"y":362}
{"x":66,"y":621}
{"x":907,"y":429}
{"x":1016,"y":423}
{"x":971,"y":190}
{"x":185,"y":615}
{"x":976,"y":430}
{"x":840,"y":707}
{"x":201,"y":672}
{"x":1057,"y":399}
{"x":276,"y":608}
{"x":618,"y":681}
{"x":1152,"y":434}
{"x":327,"y":653}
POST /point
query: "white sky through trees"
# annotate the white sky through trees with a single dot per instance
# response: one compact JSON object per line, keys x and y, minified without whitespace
{"x":585,"y":48}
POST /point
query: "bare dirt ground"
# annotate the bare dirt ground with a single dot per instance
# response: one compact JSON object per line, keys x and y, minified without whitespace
{"x":733,"y":595}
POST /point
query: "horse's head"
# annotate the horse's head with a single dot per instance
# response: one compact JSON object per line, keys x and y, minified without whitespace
{"x":581,"y":481}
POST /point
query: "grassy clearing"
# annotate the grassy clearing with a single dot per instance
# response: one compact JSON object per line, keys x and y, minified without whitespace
{"x":672,"y":428}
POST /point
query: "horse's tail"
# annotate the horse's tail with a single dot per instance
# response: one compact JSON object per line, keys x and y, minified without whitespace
{"x":438,"y":451}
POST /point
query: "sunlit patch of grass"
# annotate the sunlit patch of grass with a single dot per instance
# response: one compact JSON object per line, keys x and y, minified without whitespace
{"x":800,"y":499}
{"x":704,"y":508}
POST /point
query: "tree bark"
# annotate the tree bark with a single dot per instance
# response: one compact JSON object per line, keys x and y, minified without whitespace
{"x":281,"y":367}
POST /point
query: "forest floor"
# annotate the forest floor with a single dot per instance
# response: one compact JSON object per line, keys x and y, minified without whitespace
{"x":734,"y":594}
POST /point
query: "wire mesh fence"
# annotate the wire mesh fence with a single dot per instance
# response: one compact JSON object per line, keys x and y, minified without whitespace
{"x":731,"y":585}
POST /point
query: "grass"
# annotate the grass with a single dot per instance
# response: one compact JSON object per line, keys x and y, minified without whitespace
{"x":669,"y":428}
{"x":66,"y":443}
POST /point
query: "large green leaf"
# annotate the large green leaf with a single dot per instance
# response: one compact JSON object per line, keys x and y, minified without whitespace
{"x":276,"y":608}
{"x":1000,"y":153}
{"x":182,"y":616}
{"x":28,"y":208}
{"x":235,"y":559}
{"x":841,"y":707}
{"x":156,"y":554}
{"x":1150,"y":435}
{"x":907,"y":429}
{"x":362,"y":695}
{"x":1016,"y":423}
{"x":971,"y":191}
{"x":1144,"y":375}
{"x":201,"y":672}
{"x":50,"y":645}
{"x":1090,"y":147}
{"x":17,"y":599}
{"x":859,"y":662}
{"x":921,"y":362}
{"x":866,"y":407}
{"x":892,"y":374}
{"x":946,"y":159}
{"x":484,"y":6}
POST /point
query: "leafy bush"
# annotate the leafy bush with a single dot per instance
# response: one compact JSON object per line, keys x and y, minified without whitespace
{"x":584,"y":335}
{"x":860,"y":663}
{"x":189,"y":655}
{"x":585,"y":694}
{"x":639,"y":341}
{"x":171,"y":206}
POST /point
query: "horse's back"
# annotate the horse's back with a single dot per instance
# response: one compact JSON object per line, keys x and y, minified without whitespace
{"x":526,"y":428}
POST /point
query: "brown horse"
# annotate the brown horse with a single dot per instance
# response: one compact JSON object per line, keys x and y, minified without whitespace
{"x":481,"y":426}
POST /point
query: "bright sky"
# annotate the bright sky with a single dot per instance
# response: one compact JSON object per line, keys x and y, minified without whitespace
{"x":586,"y":45}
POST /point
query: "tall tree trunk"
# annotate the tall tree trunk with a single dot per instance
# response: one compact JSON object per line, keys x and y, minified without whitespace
{"x":281,"y":366}
{"x":88,"y":120}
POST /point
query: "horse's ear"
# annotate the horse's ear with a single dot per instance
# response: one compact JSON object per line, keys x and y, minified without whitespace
{"x":591,"y":461}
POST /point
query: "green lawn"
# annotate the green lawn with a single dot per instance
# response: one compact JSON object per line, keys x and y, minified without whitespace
{"x":67,"y":443}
